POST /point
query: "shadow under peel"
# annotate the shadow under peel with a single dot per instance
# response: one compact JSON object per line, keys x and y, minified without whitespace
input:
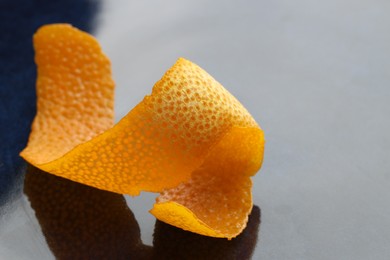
{"x":82,"y":222}
{"x":173,"y":243}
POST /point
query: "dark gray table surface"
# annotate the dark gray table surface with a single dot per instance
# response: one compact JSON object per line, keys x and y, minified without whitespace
{"x":314,"y":74}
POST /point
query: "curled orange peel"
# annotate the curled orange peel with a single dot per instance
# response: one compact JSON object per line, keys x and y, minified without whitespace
{"x":190,"y":140}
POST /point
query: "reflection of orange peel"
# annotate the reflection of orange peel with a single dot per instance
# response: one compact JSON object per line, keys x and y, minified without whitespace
{"x":190,"y":139}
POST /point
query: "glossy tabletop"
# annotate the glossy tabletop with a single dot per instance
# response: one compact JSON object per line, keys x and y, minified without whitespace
{"x":314,"y":74}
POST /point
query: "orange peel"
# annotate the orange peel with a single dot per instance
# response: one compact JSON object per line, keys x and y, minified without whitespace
{"x":190,"y":139}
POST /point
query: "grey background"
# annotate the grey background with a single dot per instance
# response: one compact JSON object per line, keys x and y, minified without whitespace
{"x":314,"y":74}
{"x":316,"y":77}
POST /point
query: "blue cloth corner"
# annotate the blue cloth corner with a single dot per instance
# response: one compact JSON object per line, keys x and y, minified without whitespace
{"x":18,"y":22}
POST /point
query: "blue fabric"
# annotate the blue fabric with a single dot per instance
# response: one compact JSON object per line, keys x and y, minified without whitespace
{"x":18,"y":22}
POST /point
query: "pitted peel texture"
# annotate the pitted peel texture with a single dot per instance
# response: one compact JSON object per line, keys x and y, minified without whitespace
{"x":190,"y":140}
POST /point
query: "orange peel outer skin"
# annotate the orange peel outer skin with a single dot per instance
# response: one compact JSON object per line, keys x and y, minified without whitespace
{"x":75,"y":92}
{"x":190,"y":139}
{"x":217,"y":199}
